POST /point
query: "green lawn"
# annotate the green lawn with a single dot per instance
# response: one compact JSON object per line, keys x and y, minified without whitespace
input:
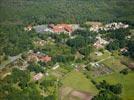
{"x":106,"y":54}
{"x":126,"y":80}
{"x":58,"y":73}
{"x":114,"y":63}
{"x":110,"y":61}
{"x":78,"y":81}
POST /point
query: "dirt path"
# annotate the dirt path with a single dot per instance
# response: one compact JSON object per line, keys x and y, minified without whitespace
{"x":104,"y":59}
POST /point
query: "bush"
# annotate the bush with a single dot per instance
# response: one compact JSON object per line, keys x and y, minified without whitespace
{"x":124,"y":71}
{"x":116,"y":89}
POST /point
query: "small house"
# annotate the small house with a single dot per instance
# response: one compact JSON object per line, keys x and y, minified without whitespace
{"x":38,"y":76}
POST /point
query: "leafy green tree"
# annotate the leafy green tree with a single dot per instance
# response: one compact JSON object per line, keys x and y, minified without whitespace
{"x":116,"y":89}
{"x":131,"y":48}
{"x":118,"y":34}
{"x":107,"y":91}
{"x":114,"y":45}
{"x":77,"y":42}
{"x":36,"y":68}
{"x":124,"y":71}
{"x":85,"y":50}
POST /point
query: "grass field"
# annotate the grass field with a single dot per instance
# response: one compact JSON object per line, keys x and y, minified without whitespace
{"x":106,"y":54}
{"x":78,"y":81}
{"x":114,"y":63}
{"x":126,"y":80}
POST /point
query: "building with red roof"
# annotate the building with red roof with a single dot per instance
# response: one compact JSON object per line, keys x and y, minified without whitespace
{"x":38,"y":76}
{"x":61,"y":28}
{"x":35,"y":57}
{"x":45,"y":58}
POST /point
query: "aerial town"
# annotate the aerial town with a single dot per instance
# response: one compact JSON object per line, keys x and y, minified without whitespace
{"x":49,"y":58}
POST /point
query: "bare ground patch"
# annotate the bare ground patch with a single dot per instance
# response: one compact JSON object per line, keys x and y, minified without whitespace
{"x":68,"y":93}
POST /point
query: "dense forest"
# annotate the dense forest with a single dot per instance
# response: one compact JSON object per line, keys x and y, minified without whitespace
{"x":14,"y":40}
{"x":69,"y":11}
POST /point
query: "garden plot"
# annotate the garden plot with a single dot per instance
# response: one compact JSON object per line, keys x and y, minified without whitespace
{"x":100,"y":69}
{"x":114,"y":64}
{"x":97,"y":56}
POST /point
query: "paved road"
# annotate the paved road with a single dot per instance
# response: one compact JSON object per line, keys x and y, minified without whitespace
{"x":11,"y":59}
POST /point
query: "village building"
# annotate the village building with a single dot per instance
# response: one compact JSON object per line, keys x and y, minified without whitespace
{"x":56,"y":66}
{"x":35,"y":57}
{"x":37,"y":76}
{"x":32,"y":57}
{"x":124,"y":49}
{"x":131,"y":66}
{"x":40,"y":42}
{"x":94,"y":26}
{"x":97,"y":26}
{"x":42,"y":29}
{"x":45,"y":58}
{"x":100,"y":43}
{"x":98,"y":53}
{"x":28,"y":28}
{"x":59,"y":28}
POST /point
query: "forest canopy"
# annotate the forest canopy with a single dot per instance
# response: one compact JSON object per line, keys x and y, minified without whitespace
{"x":69,"y":11}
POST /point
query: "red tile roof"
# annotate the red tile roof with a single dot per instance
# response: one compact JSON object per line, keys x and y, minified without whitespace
{"x":45,"y":58}
{"x":61,"y":28}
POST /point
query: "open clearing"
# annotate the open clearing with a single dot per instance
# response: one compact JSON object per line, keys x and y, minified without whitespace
{"x":78,"y":81}
{"x":67,"y":93}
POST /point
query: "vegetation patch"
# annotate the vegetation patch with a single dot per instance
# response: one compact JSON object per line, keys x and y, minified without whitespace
{"x":125,"y":80}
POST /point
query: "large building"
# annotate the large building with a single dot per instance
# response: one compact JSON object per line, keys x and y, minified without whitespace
{"x":59,"y":28}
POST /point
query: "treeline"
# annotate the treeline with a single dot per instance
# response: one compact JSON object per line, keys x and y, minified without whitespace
{"x":65,"y":11}
{"x":107,"y":91}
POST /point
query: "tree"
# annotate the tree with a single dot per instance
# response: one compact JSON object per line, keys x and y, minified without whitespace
{"x":114,"y":45}
{"x":131,"y":48}
{"x":19,"y":75}
{"x":106,"y":95}
{"x":118,"y":34}
{"x":88,"y":67}
{"x":36,"y":68}
{"x":124,"y":71}
{"x":107,"y":91}
{"x":77,"y":42}
{"x":116,"y":89}
{"x":85,"y":50}
{"x":14,"y":40}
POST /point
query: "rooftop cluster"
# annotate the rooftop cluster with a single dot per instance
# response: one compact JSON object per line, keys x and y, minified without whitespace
{"x":38,"y":57}
{"x":96,"y":27}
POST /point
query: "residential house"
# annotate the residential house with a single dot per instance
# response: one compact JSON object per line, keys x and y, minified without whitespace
{"x":38,"y":76}
{"x":96,"y":26}
{"x":124,"y":49}
{"x":131,"y":66}
{"x":40,"y":42}
{"x":28,"y":28}
{"x":35,"y":57}
{"x":45,"y":58}
{"x":100,"y":43}
{"x":59,"y":28}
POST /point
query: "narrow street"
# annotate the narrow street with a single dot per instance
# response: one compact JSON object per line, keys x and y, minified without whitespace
{"x":11,"y":59}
